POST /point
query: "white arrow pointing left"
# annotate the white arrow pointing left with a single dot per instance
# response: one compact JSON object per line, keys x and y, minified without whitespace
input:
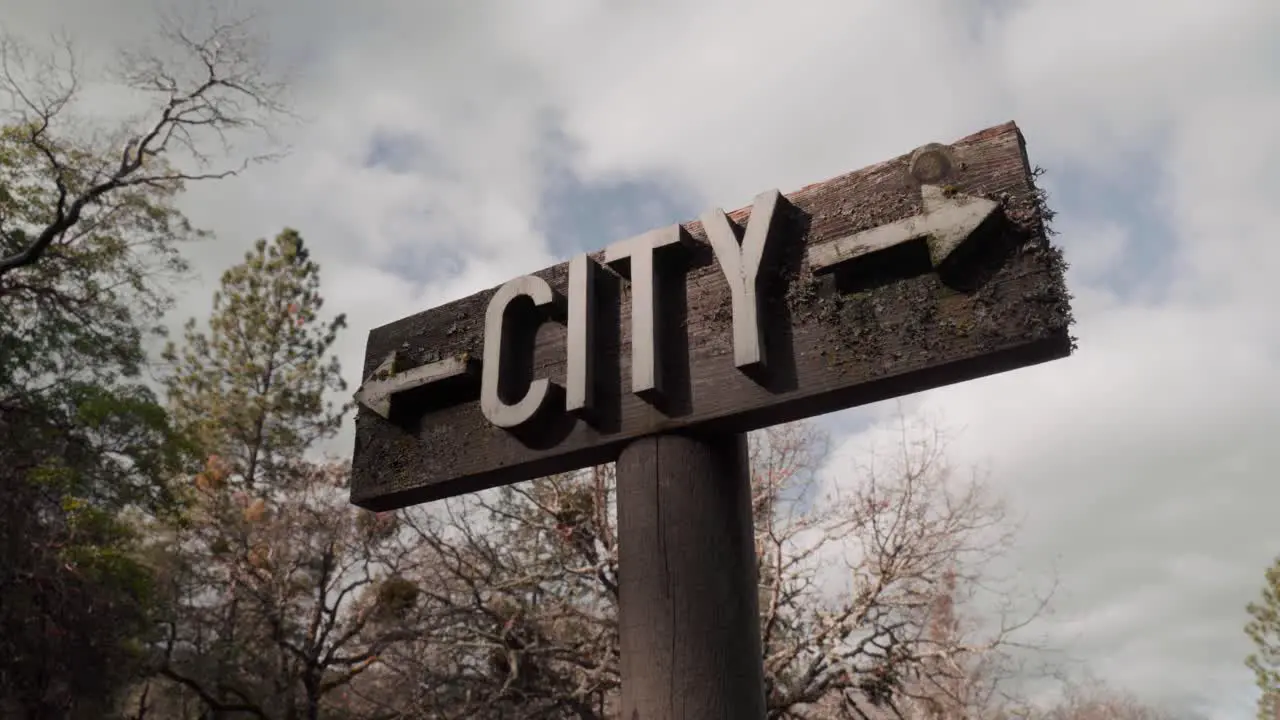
{"x":385,"y":382}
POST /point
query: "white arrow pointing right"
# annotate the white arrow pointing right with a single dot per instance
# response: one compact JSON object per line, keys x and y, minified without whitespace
{"x":947,"y":221}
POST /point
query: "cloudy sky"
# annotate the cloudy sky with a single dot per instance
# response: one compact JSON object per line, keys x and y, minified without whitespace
{"x":453,"y":145}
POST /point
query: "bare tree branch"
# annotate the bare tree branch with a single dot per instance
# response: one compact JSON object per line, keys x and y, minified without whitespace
{"x":522,"y":582}
{"x":209,"y":699}
{"x":213,"y":86}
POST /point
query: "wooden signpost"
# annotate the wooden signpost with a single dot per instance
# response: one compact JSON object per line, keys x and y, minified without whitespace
{"x":662,"y":350}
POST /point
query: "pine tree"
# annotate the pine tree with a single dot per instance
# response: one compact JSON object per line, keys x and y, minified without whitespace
{"x":1264,"y":630}
{"x":280,"y":585}
{"x":254,"y":388}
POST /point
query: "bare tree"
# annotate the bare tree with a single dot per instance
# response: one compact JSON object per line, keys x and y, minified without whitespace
{"x":206,"y":86}
{"x":522,"y":585}
{"x":1093,"y":699}
{"x":913,"y":542}
{"x":313,"y":588}
{"x":522,"y":582}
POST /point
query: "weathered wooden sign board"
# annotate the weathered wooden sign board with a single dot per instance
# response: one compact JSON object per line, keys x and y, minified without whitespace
{"x":925,"y":270}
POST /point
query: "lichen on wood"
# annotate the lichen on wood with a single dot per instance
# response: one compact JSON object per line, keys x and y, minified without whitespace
{"x":833,"y":344}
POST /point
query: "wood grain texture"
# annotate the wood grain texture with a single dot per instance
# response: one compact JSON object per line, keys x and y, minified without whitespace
{"x":688,"y":619}
{"x":832,"y":342}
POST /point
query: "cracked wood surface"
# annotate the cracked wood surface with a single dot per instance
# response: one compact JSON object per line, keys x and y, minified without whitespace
{"x":688,"y":617}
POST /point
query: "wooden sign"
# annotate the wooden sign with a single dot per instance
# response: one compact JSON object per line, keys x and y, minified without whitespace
{"x":925,"y":270}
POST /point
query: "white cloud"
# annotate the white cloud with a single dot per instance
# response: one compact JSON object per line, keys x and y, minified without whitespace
{"x":1143,"y":464}
{"x":742,"y":95}
{"x":1097,"y":249}
{"x":1103,"y":76}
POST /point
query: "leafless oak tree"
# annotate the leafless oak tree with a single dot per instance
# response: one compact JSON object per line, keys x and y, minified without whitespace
{"x":205,"y":87}
{"x":862,"y":586}
{"x":1093,"y":699}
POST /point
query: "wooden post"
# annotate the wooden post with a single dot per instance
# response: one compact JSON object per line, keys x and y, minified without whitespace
{"x":689,"y":621}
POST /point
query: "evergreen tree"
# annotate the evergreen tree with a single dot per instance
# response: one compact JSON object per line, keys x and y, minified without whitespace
{"x":253,"y":388}
{"x":1263,"y":629}
{"x":284,"y":593}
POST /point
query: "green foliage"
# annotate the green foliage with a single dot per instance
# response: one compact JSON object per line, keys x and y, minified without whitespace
{"x":1263,"y":629}
{"x":78,"y":597}
{"x":82,"y":439}
{"x":274,"y":561}
{"x":89,"y":238}
{"x":253,"y":388}
{"x":83,"y":312}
